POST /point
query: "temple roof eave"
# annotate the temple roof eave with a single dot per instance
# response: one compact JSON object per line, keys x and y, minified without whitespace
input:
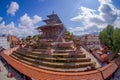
{"x":48,"y":26}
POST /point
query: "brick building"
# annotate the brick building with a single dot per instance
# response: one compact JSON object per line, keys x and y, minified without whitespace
{"x":90,"y":41}
{"x":13,"y":40}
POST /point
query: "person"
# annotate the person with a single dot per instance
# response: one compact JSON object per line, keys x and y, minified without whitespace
{"x":9,"y":75}
{"x":0,"y":69}
{"x":12,"y":74}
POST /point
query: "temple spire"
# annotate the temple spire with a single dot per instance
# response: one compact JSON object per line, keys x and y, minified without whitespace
{"x":52,"y":19}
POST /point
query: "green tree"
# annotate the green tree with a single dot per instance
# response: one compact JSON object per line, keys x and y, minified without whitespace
{"x":106,"y":36}
{"x":110,"y":30}
{"x":35,"y":37}
{"x":28,"y":38}
{"x":111,"y":37}
{"x":67,"y":32}
{"x":116,"y":40}
{"x":103,"y":37}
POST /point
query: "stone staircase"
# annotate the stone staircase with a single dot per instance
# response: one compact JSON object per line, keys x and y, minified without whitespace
{"x":59,"y":60}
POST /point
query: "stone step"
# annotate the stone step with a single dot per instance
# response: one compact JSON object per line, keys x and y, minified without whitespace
{"x":49,"y":59}
{"x":40,"y":50}
{"x":56,"y":64}
{"x":55,"y":55}
{"x":44,"y":50}
{"x":23,"y":51}
{"x":64,"y":51}
{"x":59,"y":54}
{"x":57,"y":59}
{"x":67,"y":65}
{"x":66,"y":60}
{"x":28,"y":50}
{"x":66,"y":54}
{"x":22,"y":60}
{"x":52,"y":69}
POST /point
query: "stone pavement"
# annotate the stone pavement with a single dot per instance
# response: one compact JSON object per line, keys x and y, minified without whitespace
{"x":3,"y":73}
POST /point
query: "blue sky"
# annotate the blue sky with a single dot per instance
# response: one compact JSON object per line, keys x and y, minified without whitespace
{"x":21,"y":17}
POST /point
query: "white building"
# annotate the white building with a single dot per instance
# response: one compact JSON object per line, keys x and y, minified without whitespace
{"x":4,"y":43}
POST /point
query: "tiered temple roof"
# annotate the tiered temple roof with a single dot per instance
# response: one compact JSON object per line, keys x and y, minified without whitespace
{"x":53,"y":27}
{"x":53,"y":19}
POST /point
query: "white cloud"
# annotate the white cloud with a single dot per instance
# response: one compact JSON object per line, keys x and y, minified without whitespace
{"x":25,"y":27}
{"x":9,"y":29}
{"x":96,"y":20}
{"x":117,"y":23}
{"x":14,"y":6}
{"x":36,"y":19}
{"x":26,"y":21}
{"x":105,"y":1}
{"x":85,"y":13}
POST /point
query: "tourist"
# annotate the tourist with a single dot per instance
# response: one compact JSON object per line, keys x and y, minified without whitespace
{"x":10,"y":74}
{"x":0,"y":69}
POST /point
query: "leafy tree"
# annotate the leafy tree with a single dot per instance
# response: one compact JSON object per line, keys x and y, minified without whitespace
{"x":116,"y":40}
{"x":106,"y":36}
{"x":35,"y":37}
{"x":103,"y":37}
{"x":111,"y":37}
{"x":28,"y":38}
{"x":110,"y":30}
{"x":67,"y":32}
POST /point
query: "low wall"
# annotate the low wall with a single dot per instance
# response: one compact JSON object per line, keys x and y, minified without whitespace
{"x":108,"y":70}
{"x":117,"y":61}
{"x":40,"y":74}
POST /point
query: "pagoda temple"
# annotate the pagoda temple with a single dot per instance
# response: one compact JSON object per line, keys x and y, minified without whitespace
{"x":53,"y":27}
